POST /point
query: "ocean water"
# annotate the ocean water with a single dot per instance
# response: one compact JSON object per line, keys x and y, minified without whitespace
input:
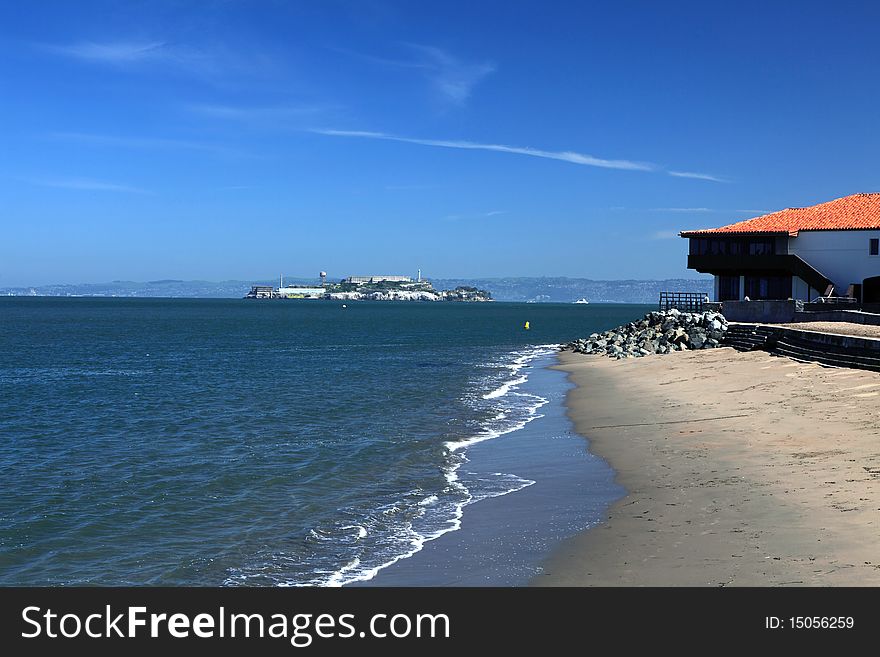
{"x":234,"y":442}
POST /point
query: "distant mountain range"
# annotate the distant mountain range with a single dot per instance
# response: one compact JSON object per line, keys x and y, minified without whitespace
{"x":567,"y":290}
{"x":163,"y":288}
{"x":540,"y":290}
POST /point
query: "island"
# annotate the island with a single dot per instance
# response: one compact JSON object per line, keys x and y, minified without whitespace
{"x":371,"y":288}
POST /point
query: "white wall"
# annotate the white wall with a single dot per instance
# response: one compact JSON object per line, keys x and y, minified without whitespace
{"x":310,"y":291}
{"x":800,"y":290}
{"x":841,"y":255}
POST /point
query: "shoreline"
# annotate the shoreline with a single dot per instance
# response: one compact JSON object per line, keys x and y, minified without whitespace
{"x":502,"y":538}
{"x":741,"y":469}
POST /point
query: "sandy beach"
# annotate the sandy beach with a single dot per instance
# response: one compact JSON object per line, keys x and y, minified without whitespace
{"x":743,"y":469}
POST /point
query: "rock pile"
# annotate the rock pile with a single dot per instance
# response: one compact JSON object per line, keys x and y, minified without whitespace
{"x":659,"y":332}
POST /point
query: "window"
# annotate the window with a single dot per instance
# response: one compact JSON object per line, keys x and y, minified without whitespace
{"x":737,"y":246}
{"x":768,"y":287}
{"x":875,"y":246}
{"x":728,"y":288}
{"x":761,"y":247}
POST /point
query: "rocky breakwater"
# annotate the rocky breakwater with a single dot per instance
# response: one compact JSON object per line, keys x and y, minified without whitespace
{"x":659,"y":332}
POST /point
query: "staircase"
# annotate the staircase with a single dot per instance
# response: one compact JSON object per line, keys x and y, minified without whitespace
{"x":833,"y":351}
{"x":788,"y":344}
{"x":746,"y":337}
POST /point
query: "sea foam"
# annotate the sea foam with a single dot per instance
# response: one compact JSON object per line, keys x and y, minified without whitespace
{"x":515,"y":409}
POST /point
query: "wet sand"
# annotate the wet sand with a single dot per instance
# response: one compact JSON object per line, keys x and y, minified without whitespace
{"x":743,"y":469}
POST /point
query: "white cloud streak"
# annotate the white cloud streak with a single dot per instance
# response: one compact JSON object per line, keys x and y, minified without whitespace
{"x":407,"y":188}
{"x":697,"y":176}
{"x":86,"y":185}
{"x":479,"y":215}
{"x":217,"y":64}
{"x":565,"y":156}
{"x":260,"y":115}
{"x":119,"y":52}
{"x":695,"y":210}
{"x":140,"y":142}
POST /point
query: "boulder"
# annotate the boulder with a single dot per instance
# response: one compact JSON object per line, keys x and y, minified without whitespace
{"x":658,"y":332}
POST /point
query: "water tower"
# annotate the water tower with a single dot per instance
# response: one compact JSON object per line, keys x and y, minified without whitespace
{"x":323,"y":278}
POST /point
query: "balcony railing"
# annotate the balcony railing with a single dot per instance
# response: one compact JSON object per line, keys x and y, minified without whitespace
{"x":743,"y":264}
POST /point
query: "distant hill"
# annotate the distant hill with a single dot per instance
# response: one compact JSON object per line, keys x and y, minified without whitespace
{"x":567,"y":290}
{"x":549,"y":289}
{"x":163,"y":288}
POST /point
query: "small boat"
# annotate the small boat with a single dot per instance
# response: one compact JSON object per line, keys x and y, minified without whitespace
{"x":581,"y":300}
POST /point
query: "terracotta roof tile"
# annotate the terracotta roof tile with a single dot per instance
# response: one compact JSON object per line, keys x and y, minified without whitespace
{"x":855,"y":212}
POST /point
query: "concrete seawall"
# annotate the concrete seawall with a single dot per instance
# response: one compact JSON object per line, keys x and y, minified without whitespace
{"x":784,"y":312}
{"x":824,"y":348}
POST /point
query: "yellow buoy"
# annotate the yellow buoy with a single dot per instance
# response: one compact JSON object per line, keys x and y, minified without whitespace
{"x":526,"y":327}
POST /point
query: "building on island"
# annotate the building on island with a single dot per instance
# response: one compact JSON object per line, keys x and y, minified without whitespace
{"x":830,"y":249}
{"x":324,"y":290}
{"x":282,"y":292}
{"x":372,"y":280}
{"x":261,"y":292}
{"x":294,"y":292}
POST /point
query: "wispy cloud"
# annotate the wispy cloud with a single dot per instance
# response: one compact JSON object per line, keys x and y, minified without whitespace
{"x":86,"y":185}
{"x":117,"y":52}
{"x":471,"y":216}
{"x":141,"y":142}
{"x":406,"y":188}
{"x":565,"y":156}
{"x":267,"y":115}
{"x":682,"y":210}
{"x":697,"y":176}
{"x":664,"y":235}
{"x":451,"y":78}
{"x":713,"y":210}
{"x":214,"y":63}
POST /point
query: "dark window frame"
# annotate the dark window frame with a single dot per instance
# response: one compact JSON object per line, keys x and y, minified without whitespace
{"x":728,"y":288}
{"x":874,"y":246}
{"x":770,"y":287}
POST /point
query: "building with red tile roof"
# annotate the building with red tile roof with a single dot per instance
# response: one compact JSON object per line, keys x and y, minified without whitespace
{"x":797,"y":253}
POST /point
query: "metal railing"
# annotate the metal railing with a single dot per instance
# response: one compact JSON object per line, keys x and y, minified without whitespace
{"x":838,"y":300}
{"x":689,"y":302}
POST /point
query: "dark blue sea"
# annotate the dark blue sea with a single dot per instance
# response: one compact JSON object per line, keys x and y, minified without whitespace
{"x":259,"y":443}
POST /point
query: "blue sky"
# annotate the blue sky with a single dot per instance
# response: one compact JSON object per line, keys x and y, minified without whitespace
{"x":241,"y":139}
